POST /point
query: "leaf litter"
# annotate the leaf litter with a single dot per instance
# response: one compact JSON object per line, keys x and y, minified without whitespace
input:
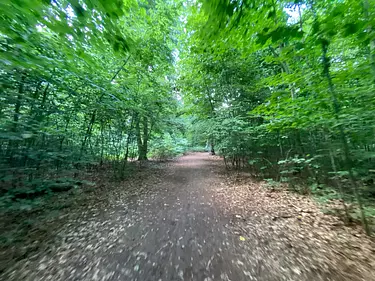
{"x":292,"y":235}
{"x":190,"y":220}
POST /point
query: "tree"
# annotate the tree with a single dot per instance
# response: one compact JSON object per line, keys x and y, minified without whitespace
{"x":291,"y":86}
{"x":84,"y":83}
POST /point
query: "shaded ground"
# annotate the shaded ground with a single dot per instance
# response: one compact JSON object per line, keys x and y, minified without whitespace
{"x":192,"y":221}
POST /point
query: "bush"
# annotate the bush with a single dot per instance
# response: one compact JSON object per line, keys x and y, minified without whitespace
{"x":166,"y":147}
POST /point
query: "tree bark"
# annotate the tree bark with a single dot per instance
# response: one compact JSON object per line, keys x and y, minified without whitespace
{"x":343,"y":137}
{"x":142,"y":141}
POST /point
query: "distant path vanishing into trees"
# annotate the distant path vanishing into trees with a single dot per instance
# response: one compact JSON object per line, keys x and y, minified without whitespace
{"x":182,"y":228}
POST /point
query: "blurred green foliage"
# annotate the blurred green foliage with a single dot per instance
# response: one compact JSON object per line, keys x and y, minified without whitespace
{"x":286,"y":90}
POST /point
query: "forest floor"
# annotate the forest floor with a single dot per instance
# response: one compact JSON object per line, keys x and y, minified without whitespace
{"x":189,"y":219}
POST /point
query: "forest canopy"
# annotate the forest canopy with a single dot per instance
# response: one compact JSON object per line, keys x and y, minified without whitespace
{"x":283,"y":89}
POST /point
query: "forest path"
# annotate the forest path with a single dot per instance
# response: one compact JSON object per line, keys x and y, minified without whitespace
{"x":179,"y":229}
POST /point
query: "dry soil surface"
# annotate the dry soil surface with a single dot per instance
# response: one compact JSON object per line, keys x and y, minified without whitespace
{"x":193,"y":221}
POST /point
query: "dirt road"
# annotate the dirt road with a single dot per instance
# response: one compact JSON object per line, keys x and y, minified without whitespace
{"x":179,"y":229}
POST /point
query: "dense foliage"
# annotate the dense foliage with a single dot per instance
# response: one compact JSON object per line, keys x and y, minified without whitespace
{"x":282,"y":88}
{"x":84,"y":84}
{"x":286,"y":89}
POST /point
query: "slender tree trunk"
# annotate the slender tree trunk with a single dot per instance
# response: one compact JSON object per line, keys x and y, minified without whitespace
{"x":338,"y":184}
{"x":212,"y":143}
{"x":87,"y":134}
{"x":142,"y":140}
{"x":101,"y":143}
{"x":128,"y":139}
{"x":145,"y":137}
{"x":127,"y":146}
{"x":94,"y":113}
{"x":343,"y":137}
{"x":280,"y":145}
{"x":12,"y":145}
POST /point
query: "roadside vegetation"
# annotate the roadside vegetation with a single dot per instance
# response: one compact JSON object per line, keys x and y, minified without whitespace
{"x":281,"y":89}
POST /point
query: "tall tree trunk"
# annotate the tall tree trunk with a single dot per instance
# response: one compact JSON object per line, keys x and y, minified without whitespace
{"x":87,"y":134}
{"x":128,"y":139}
{"x":338,"y":184}
{"x":142,"y":140}
{"x":212,"y":144}
{"x":12,"y":145}
{"x":101,"y":143}
{"x":94,"y":113}
{"x":145,"y":137}
{"x":343,"y":136}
